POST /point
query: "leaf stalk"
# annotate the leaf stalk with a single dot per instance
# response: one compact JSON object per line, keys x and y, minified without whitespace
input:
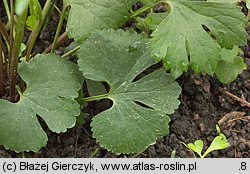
{"x":7,"y":9}
{"x":59,"y":27}
{"x":145,"y":8}
{"x":2,"y":75}
{"x":12,"y":81}
{"x":73,"y":51}
{"x":97,"y":97}
{"x":34,"y":34}
{"x":19,"y":32}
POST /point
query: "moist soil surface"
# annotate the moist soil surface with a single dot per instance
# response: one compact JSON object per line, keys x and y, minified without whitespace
{"x":203,"y":105}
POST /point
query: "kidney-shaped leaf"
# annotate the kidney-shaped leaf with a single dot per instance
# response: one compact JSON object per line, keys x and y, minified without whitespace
{"x":52,"y":85}
{"x":138,"y":114}
{"x":230,"y":66}
{"x":182,"y":35}
{"x":87,"y":15}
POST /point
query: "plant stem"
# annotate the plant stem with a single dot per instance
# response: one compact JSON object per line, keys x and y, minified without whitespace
{"x":4,"y":32}
{"x":59,"y":28}
{"x":61,"y":40}
{"x":46,"y":22}
{"x":7,"y":9}
{"x":97,"y":97}
{"x":2,"y":75}
{"x":31,"y":41}
{"x":19,"y":32}
{"x":12,"y":86}
{"x":242,"y":101}
{"x":5,"y":59}
{"x":139,"y":11}
{"x":73,"y":51}
{"x":145,"y":8}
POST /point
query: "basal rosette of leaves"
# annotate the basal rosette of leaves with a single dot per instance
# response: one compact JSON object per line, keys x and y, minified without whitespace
{"x":138,"y":116}
{"x":52,"y":85}
{"x":182,"y":40}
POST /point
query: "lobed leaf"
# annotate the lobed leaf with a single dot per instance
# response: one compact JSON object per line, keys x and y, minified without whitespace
{"x":228,"y":72}
{"x":88,"y":15}
{"x":196,"y":147}
{"x":138,"y":114}
{"x":181,"y":38}
{"x":52,"y":85}
{"x":219,"y":142}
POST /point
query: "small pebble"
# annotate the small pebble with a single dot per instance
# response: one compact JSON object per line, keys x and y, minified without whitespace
{"x":202,"y":127}
{"x":243,"y":131}
{"x":230,"y":154}
{"x":248,"y":125}
{"x":210,"y":138}
{"x":182,"y":154}
{"x":231,"y":141}
{"x":236,"y":138}
{"x":242,"y":146}
{"x":196,"y":117}
{"x":206,"y":87}
{"x":215,"y":153}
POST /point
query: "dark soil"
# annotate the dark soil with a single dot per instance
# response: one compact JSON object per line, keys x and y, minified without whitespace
{"x":202,"y":106}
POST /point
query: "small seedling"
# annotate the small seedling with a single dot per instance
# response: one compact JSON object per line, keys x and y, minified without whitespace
{"x":219,"y":142}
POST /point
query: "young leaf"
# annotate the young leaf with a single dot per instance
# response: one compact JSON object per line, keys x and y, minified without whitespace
{"x":229,"y":55}
{"x":220,"y":142}
{"x":95,"y":88}
{"x":35,"y":14}
{"x":196,"y":147}
{"x":117,"y":57}
{"x":86,"y":15}
{"x":151,"y":21}
{"x":181,"y":35}
{"x":52,"y":85}
{"x":230,"y":66}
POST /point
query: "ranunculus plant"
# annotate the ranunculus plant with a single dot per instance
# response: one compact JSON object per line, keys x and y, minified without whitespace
{"x":204,"y":36}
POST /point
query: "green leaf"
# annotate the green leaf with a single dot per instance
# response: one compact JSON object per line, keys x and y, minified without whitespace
{"x":151,"y":21}
{"x":118,"y":57}
{"x":148,"y":2}
{"x":88,"y":15}
{"x":181,"y":41}
{"x":20,"y":6}
{"x":196,"y":147}
{"x":35,"y":14}
{"x":218,"y":129}
{"x":227,"y":72}
{"x":229,"y":55}
{"x":230,"y":66}
{"x":95,"y":88}
{"x":52,"y":85}
{"x":22,"y":49}
{"x":223,"y":1}
{"x":220,"y":142}
{"x":248,"y":4}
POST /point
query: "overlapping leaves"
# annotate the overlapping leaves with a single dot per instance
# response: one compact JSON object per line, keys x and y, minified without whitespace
{"x":117,"y":57}
{"x":52,"y":85}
